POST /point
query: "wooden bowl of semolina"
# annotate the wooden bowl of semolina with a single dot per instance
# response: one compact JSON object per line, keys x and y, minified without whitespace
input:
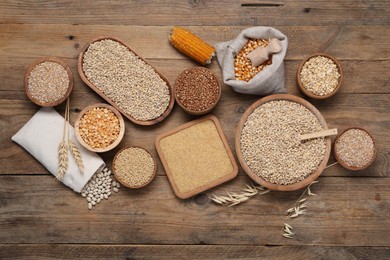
{"x":99,"y":127}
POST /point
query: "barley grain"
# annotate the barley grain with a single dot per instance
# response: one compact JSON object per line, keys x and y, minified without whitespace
{"x":126,"y":79}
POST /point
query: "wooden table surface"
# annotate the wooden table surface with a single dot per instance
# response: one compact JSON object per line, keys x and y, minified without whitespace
{"x":350,"y":216}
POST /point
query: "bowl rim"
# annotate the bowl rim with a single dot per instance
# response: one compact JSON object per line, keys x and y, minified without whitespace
{"x":307,"y":92}
{"x":42,"y":60}
{"x":272,"y":186}
{"x":111,"y":102}
{"x":201,"y":112}
{"x":124,"y":183}
{"x":111,"y":146}
{"x":344,"y":164}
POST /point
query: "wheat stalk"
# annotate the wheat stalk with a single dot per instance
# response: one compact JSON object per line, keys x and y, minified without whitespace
{"x":62,"y":160}
{"x":233,"y":198}
{"x":76,"y":154}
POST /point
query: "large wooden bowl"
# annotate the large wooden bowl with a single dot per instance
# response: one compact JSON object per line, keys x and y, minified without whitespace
{"x":98,"y":91}
{"x":311,"y":94}
{"x":111,"y":146}
{"x":261,"y":181}
{"x":344,"y":164}
{"x":122,"y":181}
{"x":39,"y":61}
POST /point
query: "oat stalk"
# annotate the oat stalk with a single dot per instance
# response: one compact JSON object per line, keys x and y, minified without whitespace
{"x":233,"y":199}
{"x":299,"y":207}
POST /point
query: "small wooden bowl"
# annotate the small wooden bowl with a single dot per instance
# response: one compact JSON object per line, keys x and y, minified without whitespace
{"x":111,"y":146}
{"x":98,"y":91}
{"x":344,"y":164}
{"x":123,"y":182}
{"x":39,"y":61}
{"x":258,"y":179}
{"x":201,"y":112}
{"x":307,"y":92}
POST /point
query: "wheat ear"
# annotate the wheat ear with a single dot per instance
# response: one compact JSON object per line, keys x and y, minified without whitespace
{"x":62,"y":160}
{"x":76,"y":154}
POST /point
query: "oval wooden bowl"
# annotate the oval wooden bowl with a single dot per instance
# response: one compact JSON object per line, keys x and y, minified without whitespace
{"x":261,"y":181}
{"x":111,"y":146}
{"x":98,"y":91}
{"x":307,"y":92}
{"x":119,"y":178}
{"x":32,"y":66}
{"x":345,"y":165}
{"x":205,"y":111}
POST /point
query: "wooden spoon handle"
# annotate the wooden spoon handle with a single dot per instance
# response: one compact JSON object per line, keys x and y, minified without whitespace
{"x":327,"y":132}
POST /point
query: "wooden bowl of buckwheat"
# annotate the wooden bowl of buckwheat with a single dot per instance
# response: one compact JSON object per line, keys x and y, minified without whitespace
{"x":197,"y":90}
{"x":268,"y":146}
{"x":320,"y":76}
{"x":99,"y":128}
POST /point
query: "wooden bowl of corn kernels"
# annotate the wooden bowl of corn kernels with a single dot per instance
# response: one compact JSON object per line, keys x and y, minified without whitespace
{"x":99,"y":128}
{"x":320,"y":76}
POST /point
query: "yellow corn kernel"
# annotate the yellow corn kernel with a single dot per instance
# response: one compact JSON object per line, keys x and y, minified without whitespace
{"x":191,"y":45}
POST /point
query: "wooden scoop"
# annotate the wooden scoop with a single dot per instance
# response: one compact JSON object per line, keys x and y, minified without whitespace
{"x":261,"y":54}
{"x":327,"y":132}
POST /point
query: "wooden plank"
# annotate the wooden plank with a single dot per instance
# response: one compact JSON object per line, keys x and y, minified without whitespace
{"x":341,"y":111}
{"x":38,"y":209}
{"x":76,"y":251}
{"x":194,"y":12}
{"x":360,"y":76}
{"x":344,"y":42}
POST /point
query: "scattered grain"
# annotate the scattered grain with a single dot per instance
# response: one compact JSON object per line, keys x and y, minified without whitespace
{"x":269,"y":146}
{"x":134,"y":167}
{"x":320,"y":75}
{"x":355,"y":147}
{"x":48,"y":82}
{"x":126,"y":79}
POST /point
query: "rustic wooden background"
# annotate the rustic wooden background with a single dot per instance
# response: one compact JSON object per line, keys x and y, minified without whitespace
{"x":350,"y":216}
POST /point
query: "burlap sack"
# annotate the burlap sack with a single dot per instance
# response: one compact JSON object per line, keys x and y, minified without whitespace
{"x":270,"y":80}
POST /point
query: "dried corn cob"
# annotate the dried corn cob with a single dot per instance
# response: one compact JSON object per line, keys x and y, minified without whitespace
{"x":191,"y":45}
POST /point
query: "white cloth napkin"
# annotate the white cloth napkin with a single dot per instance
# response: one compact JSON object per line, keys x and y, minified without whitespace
{"x":41,"y":135}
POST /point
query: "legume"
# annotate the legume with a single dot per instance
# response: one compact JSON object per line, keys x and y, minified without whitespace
{"x":197,"y":89}
{"x":126,"y":79}
{"x":48,"y":82}
{"x":355,"y":147}
{"x":243,"y":68}
{"x":320,"y":75}
{"x":99,"y":127}
{"x":269,"y":142}
{"x":134,"y":167}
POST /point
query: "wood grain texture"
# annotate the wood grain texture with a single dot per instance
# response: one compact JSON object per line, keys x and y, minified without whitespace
{"x":197,"y":12}
{"x":77,"y":251}
{"x":349,"y":217}
{"x":66,"y":41}
{"x":38,"y":209}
